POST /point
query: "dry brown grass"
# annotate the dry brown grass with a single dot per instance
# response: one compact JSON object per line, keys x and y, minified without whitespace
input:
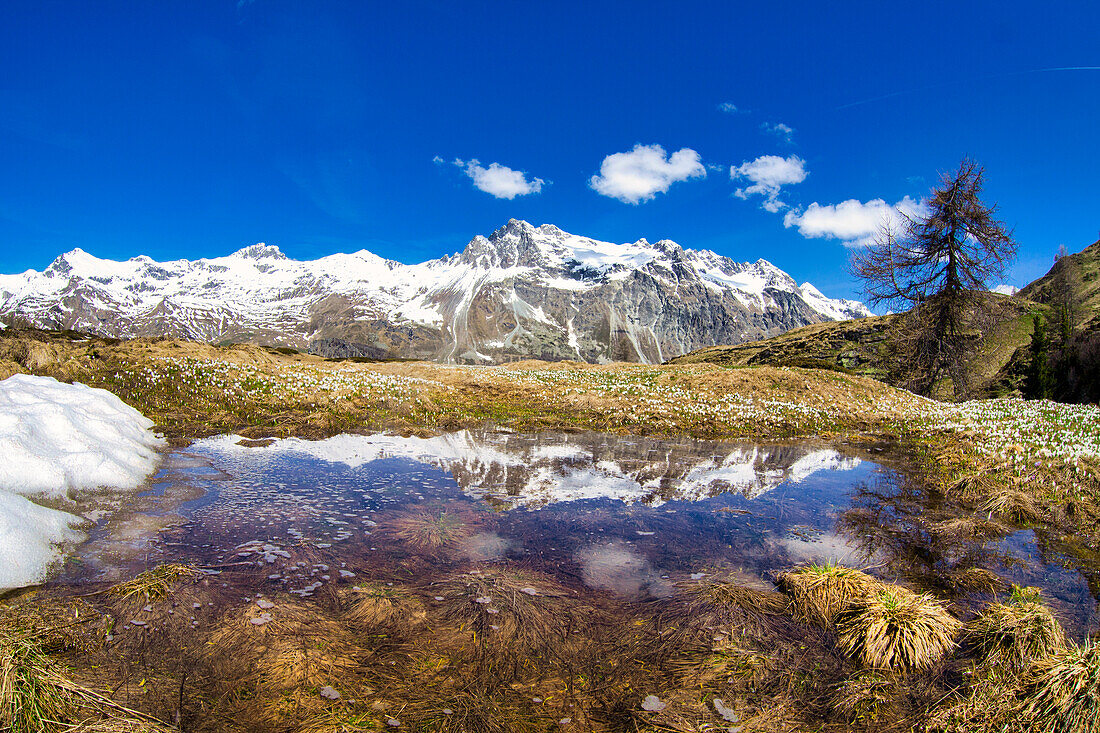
{"x":338,"y":720}
{"x":369,"y":605}
{"x":514,"y":613}
{"x":119,"y":724}
{"x":728,"y":608}
{"x":299,"y":645}
{"x":1061,"y":693}
{"x":867,"y":698}
{"x":894,"y":628}
{"x":1018,"y":506}
{"x":819,"y":592}
{"x":968,"y":528}
{"x":36,"y":691}
{"x":33,"y":692}
{"x":155,"y":583}
{"x":976,"y":580}
{"x":1011,"y":635}
{"x":471,"y":709}
{"x":727,"y":596}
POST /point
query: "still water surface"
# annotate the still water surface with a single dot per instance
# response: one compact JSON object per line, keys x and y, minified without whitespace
{"x":633,"y":517}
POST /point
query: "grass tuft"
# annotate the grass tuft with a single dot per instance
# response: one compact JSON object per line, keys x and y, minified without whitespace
{"x":1010,"y":635}
{"x":1061,"y":693}
{"x":155,"y":583}
{"x":867,"y":698}
{"x":894,"y":628}
{"x":819,"y":592}
{"x":1019,"y":506}
{"x":33,"y":694}
{"x":429,"y":531}
{"x":372,"y":605}
{"x":976,"y":580}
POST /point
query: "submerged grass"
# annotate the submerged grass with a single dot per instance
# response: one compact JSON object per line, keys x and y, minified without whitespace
{"x":867,"y":698}
{"x":429,"y":531}
{"x":516,"y":616}
{"x":155,"y":583}
{"x":370,"y":605}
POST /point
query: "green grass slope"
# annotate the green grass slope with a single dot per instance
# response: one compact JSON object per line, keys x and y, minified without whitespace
{"x":865,"y":346}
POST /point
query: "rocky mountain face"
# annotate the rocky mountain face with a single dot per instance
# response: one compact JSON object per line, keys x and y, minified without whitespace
{"x":522,"y":292}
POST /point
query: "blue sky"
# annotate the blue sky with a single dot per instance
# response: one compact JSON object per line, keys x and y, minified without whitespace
{"x":187,"y":128}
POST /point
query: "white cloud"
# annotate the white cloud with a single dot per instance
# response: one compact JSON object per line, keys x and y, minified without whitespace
{"x":644,"y":172}
{"x":768,"y":174}
{"x":499,"y":180}
{"x":852,"y":221}
{"x":438,"y":160}
{"x":781,"y":131}
{"x":729,"y":108}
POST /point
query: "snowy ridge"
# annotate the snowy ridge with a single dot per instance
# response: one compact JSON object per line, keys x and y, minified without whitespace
{"x":522,"y":291}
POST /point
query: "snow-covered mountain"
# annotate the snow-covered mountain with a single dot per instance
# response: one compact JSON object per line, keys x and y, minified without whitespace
{"x":524,"y":291}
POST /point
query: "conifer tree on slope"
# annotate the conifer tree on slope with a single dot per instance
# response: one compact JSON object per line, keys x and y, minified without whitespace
{"x":939,"y":266}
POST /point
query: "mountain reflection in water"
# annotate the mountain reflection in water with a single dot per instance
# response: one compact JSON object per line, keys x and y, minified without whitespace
{"x":535,"y":470}
{"x":636,"y":517}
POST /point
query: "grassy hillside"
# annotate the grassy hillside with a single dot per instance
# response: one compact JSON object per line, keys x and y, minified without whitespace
{"x":1085,"y":281}
{"x":865,"y":346}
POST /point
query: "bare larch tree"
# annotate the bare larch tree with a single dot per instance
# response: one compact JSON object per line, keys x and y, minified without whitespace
{"x":938,"y":266}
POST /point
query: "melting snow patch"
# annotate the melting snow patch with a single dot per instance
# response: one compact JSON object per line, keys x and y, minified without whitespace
{"x":58,"y":438}
{"x":28,"y":535}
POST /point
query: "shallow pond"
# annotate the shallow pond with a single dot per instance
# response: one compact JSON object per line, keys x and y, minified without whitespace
{"x":632,"y":517}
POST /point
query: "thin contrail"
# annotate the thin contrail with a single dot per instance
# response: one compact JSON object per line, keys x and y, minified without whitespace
{"x":963,"y":81}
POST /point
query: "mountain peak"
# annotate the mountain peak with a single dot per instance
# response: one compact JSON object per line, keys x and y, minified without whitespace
{"x":63,"y":264}
{"x":260,"y":251}
{"x":530,"y":291}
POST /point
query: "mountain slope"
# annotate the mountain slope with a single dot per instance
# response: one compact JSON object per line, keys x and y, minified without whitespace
{"x":865,"y":346}
{"x":1079,"y":273}
{"x":523,"y":291}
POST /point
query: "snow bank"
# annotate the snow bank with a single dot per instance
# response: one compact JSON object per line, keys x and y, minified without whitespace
{"x":55,"y":439}
{"x":29,"y":534}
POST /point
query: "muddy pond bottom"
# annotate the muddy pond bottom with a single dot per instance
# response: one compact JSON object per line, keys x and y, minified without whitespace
{"x":631,"y":518}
